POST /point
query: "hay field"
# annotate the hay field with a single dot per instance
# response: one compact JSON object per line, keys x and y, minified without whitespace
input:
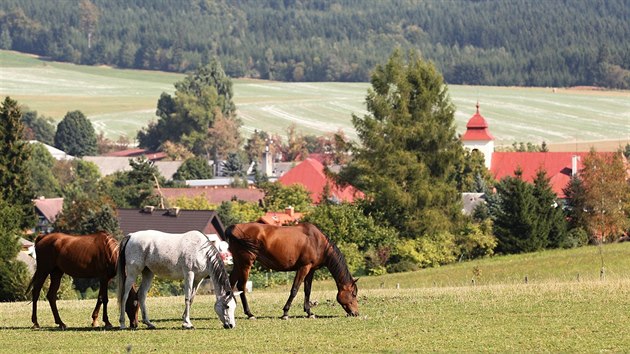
{"x":119,"y":102}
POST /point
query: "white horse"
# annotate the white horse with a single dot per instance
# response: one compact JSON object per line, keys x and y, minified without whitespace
{"x":190,"y":256}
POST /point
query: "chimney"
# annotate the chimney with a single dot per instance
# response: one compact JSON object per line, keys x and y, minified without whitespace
{"x":574,"y":165}
{"x":148,"y":209}
{"x":173,"y":211}
{"x":289,"y":211}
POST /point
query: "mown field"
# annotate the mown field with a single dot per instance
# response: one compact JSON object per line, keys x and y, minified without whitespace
{"x":119,"y":102}
{"x":432,"y":310}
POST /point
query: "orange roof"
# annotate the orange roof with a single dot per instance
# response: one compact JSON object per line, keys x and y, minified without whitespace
{"x":557,"y":164}
{"x":310,"y":174}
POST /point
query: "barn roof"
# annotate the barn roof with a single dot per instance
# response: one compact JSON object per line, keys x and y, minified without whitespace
{"x":170,"y":220}
{"x":310,"y":173}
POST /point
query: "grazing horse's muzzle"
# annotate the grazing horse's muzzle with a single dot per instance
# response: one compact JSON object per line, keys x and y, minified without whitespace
{"x":228,"y":326}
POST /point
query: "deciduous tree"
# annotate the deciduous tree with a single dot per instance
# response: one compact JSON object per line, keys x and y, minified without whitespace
{"x":75,"y":135}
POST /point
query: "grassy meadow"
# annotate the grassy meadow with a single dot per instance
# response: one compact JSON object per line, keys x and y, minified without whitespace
{"x":432,"y":310}
{"x":120,"y":102}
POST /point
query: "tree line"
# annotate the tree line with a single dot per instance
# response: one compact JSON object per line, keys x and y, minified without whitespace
{"x":478,"y":42}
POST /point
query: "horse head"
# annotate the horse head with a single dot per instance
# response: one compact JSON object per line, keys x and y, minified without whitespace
{"x":347,"y":298}
{"x":225,"y":307}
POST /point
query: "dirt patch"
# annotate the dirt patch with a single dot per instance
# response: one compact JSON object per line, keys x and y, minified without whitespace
{"x":600,"y":145}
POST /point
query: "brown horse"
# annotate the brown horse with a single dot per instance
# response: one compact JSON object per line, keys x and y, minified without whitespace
{"x":81,"y":256}
{"x":302,"y":248}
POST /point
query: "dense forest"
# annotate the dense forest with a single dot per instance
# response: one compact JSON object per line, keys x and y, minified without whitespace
{"x":487,"y":42}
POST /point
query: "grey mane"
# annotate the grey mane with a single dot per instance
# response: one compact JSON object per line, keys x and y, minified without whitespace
{"x":219,"y":274}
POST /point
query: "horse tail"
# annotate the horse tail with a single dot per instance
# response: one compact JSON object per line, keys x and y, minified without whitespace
{"x":120,"y":268}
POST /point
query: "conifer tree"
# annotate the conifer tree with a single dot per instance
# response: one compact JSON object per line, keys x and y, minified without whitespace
{"x":409,"y":151}
{"x":15,"y":184}
{"x":515,"y":221}
{"x":551,"y":226}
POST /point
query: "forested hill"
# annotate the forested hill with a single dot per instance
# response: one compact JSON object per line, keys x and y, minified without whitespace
{"x":515,"y":42}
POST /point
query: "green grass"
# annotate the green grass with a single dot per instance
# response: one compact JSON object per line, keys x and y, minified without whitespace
{"x":553,"y":312}
{"x":120,"y":102}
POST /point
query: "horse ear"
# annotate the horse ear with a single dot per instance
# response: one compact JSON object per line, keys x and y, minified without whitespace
{"x":355,"y":280}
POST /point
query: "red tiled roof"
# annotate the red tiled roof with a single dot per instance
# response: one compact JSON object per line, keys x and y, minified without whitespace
{"x":310,"y":173}
{"x":557,"y":164}
{"x":49,"y":208}
{"x":215,"y":195}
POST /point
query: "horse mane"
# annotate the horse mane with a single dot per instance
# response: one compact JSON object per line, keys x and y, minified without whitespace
{"x":335,"y":261}
{"x":219,"y":274}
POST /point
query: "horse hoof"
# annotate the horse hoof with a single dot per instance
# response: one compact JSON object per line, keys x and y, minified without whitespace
{"x":62,"y":327}
{"x":285,"y":317}
{"x":150,"y":326}
{"x":35,"y":326}
{"x":251,"y":318}
{"x":311,"y":316}
{"x":186,"y":326}
{"x":108,"y":326}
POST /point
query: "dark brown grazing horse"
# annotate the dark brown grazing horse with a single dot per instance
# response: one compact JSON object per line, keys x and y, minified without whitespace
{"x":81,"y":256}
{"x":302,"y":248}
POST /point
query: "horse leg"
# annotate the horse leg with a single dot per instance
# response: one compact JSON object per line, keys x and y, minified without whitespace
{"x":147,"y":278}
{"x":97,"y":309}
{"x":102,"y":297}
{"x":297,"y":281}
{"x":308,"y":281}
{"x":38,"y":282}
{"x":189,"y":288}
{"x":55,"y":282}
{"x":239,"y":276}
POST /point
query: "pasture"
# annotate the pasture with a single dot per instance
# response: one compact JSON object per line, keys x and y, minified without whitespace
{"x":120,"y":102}
{"x":432,"y":310}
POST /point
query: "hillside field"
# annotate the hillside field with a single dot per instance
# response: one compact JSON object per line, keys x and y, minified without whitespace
{"x":564,"y":307}
{"x":120,"y":102}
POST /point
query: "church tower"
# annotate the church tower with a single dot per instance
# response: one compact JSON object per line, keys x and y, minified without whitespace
{"x":477,"y":137}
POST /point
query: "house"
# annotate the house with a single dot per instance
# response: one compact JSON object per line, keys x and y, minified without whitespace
{"x":215,"y":195}
{"x":310,"y":173}
{"x":47,"y":210}
{"x":289,"y":217}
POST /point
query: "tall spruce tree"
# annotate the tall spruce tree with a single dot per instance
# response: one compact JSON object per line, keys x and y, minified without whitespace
{"x":551,"y":225}
{"x":406,"y":163}
{"x":516,"y":220}
{"x":15,"y":184}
